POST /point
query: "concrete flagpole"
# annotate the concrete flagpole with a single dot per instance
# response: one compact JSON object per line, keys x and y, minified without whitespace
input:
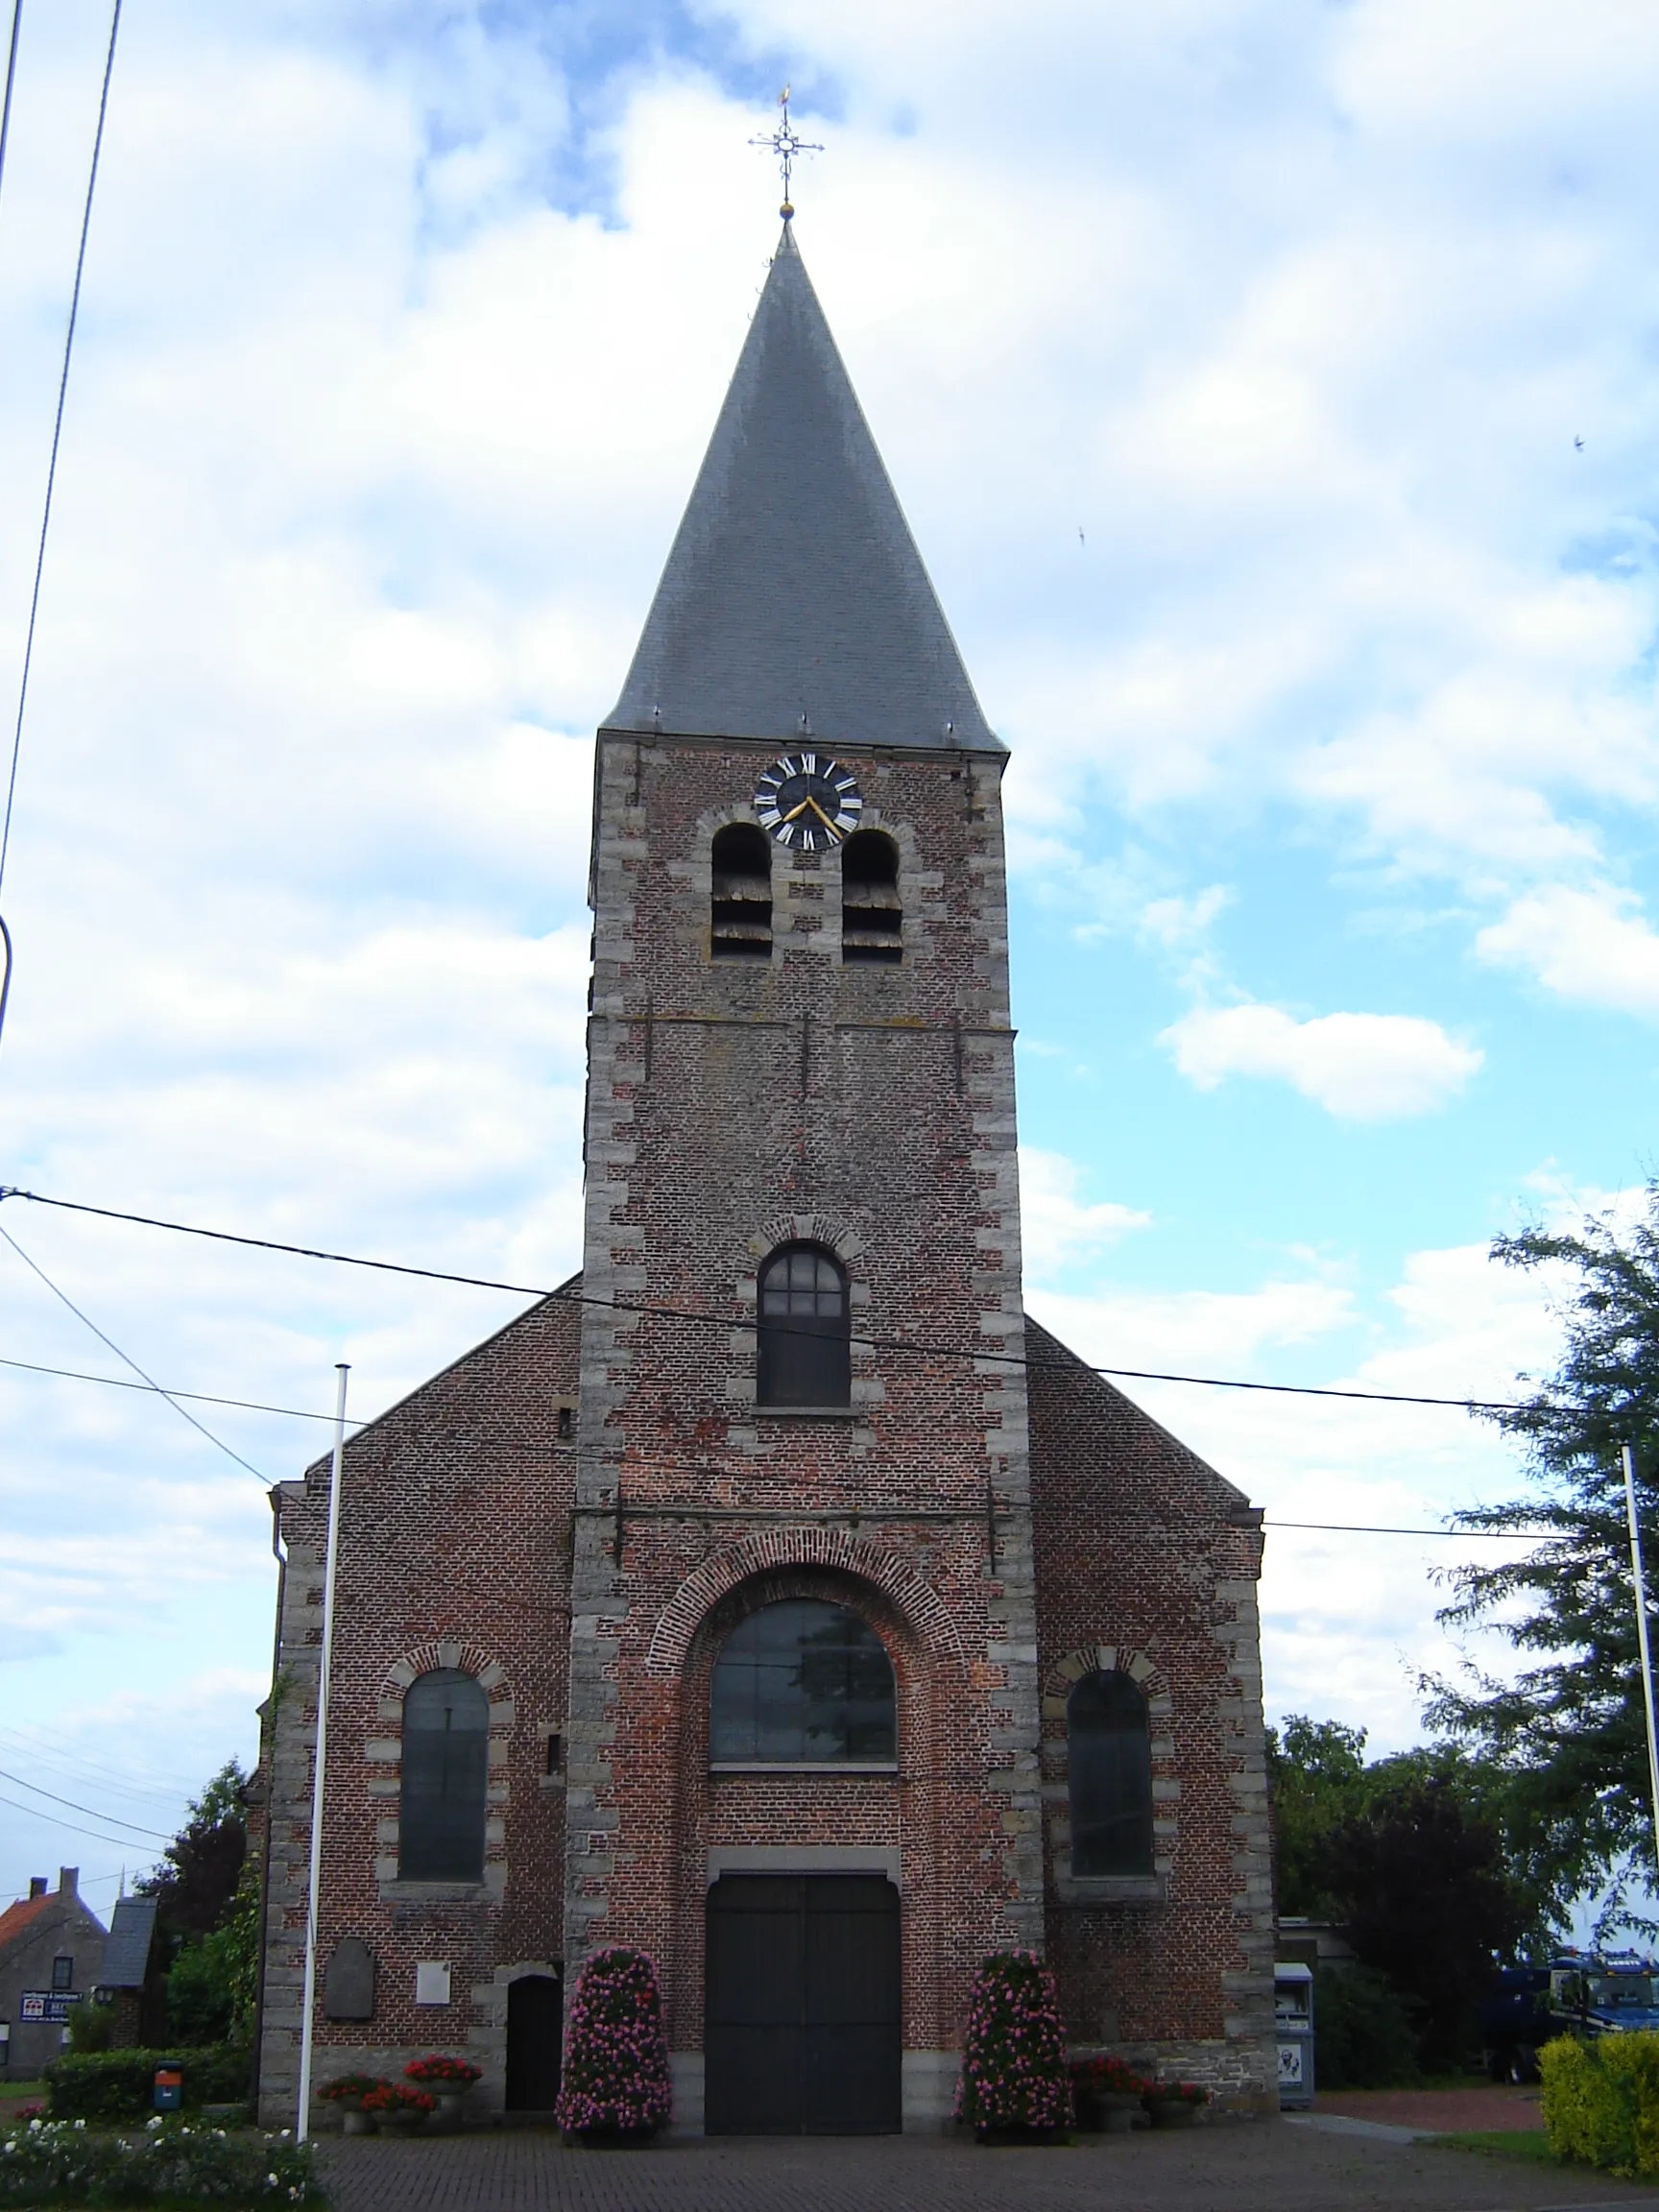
{"x":301,"y":2125}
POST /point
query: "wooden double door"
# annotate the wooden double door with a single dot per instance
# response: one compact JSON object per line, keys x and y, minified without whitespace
{"x":802,"y":2020}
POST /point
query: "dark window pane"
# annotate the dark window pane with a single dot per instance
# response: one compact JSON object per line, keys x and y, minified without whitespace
{"x":1110,"y":1759}
{"x":62,"y":1973}
{"x":802,"y":1681}
{"x":446,"y":1772}
{"x":804,"y":1356}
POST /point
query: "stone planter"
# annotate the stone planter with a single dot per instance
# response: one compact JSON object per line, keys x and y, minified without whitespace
{"x":1119,"y":2111}
{"x":446,"y":2120}
{"x":1173,"y":2112}
{"x":357,"y":2123}
{"x":399,"y":2123}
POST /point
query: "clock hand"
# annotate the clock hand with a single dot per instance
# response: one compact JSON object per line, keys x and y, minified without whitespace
{"x":822,"y":816}
{"x":801,"y":809}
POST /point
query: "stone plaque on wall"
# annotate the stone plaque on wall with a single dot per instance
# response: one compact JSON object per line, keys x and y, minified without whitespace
{"x":348,"y":1985}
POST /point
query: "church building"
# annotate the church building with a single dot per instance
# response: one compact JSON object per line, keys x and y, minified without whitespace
{"x":777,"y":1596}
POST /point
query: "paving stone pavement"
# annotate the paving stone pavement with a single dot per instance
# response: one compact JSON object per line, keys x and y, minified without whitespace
{"x":1269,"y":2166}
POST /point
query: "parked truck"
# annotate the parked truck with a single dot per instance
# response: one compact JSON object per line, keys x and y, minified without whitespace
{"x":1577,"y":1993}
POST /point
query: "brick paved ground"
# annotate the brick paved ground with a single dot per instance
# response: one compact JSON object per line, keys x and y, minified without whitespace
{"x":1483,"y":2105}
{"x":1267,"y":2167}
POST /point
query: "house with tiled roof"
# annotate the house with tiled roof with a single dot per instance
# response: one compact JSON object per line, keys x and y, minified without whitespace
{"x":51,"y":1958}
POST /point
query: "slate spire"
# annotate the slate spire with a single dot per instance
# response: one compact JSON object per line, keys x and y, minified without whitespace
{"x":794,"y":589}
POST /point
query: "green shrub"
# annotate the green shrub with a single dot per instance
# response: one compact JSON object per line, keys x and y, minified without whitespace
{"x":120,"y":2085}
{"x":1602,"y":2100}
{"x":66,"y":2162}
{"x":91,"y":2028}
{"x":1362,"y":2033}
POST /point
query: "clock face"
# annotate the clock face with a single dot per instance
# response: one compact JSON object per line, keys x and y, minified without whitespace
{"x":809,"y":801}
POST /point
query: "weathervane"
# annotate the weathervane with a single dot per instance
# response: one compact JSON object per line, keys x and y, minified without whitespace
{"x":785,"y":143}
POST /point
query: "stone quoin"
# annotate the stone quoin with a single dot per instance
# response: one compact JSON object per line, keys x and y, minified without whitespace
{"x":775,"y":1598}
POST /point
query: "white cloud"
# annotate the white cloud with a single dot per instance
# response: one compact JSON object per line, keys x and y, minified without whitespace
{"x":1058,"y":1228}
{"x":1596,"y":946}
{"x":1360,"y":1067}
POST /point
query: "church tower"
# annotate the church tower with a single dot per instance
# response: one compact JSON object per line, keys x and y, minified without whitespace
{"x":802,"y":1199}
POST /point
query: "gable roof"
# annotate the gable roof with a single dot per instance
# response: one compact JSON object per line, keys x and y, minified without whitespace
{"x":794,"y":602}
{"x":127,"y":1952}
{"x":18,"y":1918}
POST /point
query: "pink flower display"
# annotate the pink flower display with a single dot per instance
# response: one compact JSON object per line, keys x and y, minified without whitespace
{"x":615,"y":2079}
{"x":1014,"y":2067}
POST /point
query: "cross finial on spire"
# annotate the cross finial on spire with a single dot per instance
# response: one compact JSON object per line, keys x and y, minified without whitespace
{"x":787,"y":145}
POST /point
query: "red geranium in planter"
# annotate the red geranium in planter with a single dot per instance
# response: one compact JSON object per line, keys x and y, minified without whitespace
{"x":438,"y":2072}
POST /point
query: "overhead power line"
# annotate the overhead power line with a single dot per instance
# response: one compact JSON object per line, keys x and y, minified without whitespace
{"x":58,"y":420}
{"x":910,"y":1347}
{"x":159,"y":1391}
{"x":183,"y":1412}
{"x":92,"y":1813}
{"x":121,"y":1842}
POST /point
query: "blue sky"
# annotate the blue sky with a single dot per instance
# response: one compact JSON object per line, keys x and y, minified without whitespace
{"x":1271,"y":391}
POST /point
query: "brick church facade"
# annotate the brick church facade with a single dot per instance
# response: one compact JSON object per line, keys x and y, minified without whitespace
{"x":777,"y":1597}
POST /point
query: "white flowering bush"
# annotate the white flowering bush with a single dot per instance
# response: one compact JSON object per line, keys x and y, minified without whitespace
{"x":66,"y":2162}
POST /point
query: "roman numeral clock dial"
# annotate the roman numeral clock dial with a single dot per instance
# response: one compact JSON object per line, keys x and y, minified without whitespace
{"x":808,"y":802}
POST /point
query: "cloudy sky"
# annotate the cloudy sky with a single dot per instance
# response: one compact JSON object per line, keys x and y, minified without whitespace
{"x":1271,"y":389}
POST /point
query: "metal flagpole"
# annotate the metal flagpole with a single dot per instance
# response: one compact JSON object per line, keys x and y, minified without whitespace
{"x":1642,"y":1632}
{"x":302,"y":2125}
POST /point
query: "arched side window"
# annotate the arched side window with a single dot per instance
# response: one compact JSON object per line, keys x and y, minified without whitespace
{"x":1109,"y":1761}
{"x":872,"y":918}
{"x":801,"y":1683}
{"x":446,"y":1772}
{"x":804,"y":1354}
{"x":740,"y":894}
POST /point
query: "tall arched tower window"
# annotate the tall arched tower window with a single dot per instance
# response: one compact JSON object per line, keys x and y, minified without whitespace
{"x":445,"y":1772}
{"x":801,"y":1683}
{"x":740,"y":894}
{"x":804,"y":1354}
{"x":872,"y":918}
{"x":1109,"y":1760}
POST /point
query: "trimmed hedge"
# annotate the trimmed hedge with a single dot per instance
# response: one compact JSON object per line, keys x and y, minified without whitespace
{"x":1602,"y":2100}
{"x":116,"y":2085}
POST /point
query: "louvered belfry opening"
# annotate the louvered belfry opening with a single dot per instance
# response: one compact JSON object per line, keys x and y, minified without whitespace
{"x":872,"y":918}
{"x":740,"y":894}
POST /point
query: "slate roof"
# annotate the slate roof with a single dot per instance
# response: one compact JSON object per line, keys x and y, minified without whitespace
{"x":794,"y":587}
{"x":127,"y":1948}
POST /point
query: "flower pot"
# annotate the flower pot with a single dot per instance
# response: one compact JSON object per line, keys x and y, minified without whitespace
{"x":399,"y":2123}
{"x":1173,"y":2112}
{"x":1118,"y":2110}
{"x":446,"y":2120}
{"x":1011,"y":2138}
{"x":609,"y":2138}
{"x":357,"y":2123}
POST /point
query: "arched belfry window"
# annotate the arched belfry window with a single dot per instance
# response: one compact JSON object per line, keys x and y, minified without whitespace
{"x":446,"y":1774}
{"x":872,"y":918}
{"x":803,"y":1355}
{"x":1109,"y":1762}
{"x":740,"y":894}
{"x":801,"y":1683}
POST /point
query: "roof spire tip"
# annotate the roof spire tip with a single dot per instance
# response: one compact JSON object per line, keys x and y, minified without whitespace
{"x":788,"y":146}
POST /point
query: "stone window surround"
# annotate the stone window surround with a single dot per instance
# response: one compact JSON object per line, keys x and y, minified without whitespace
{"x":1095,"y":1889}
{"x":383,"y":1753}
{"x":838,"y":1235}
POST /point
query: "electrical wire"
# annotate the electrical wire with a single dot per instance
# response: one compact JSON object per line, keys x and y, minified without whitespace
{"x":183,"y":1412}
{"x":911,"y":1347}
{"x":58,"y":422}
{"x":11,"y":75}
{"x":194,"y":1396}
{"x":92,"y":1813}
{"x":121,"y":1842}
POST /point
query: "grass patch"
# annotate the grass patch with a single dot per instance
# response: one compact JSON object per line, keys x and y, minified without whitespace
{"x":1530,"y":2146}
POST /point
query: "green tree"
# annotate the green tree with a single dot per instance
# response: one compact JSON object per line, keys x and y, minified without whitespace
{"x":1568,"y":1731}
{"x":204,"y":1862}
{"x":214,"y":1978}
{"x":1316,"y":1780}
